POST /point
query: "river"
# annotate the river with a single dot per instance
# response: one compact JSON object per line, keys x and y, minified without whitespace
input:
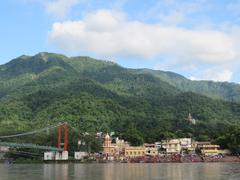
{"x":111,"y":171}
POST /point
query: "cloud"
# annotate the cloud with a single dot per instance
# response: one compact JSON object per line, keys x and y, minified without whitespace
{"x":215,"y":75}
{"x":60,"y":8}
{"x":174,"y":17}
{"x":110,"y":33}
{"x":175,"y":12}
{"x":57,"y":8}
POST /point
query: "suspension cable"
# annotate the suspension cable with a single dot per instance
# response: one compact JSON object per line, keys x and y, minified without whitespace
{"x":25,"y":152}
{"x":32,"y":132}
{"x":74,"y":129}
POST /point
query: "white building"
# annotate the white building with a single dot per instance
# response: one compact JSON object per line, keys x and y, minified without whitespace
{"x":185,"y":142}
{"x":151,"y":149}
{"x":175,"y":146}
{"x":65,"y":155}
{"x":79,"y":155}
{"x":49,"y":156}
{"x":61,"y":156}
{"x":172,"y":146}
{"x":58,"y":156}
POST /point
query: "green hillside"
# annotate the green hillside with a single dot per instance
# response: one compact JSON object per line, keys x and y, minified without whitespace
{"x":217,"y":90}
{"x":94,"y":95}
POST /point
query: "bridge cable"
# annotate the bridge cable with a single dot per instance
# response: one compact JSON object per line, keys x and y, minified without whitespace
{"x":31,"y":132}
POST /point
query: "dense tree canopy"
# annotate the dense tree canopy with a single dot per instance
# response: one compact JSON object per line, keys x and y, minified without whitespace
{"x":93,"y":96}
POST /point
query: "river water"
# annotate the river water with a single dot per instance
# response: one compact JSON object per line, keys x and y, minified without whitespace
{"x":111,"y":171}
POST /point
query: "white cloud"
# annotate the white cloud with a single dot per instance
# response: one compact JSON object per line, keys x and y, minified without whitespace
{"x":60,"y":8}
{"x":57,"y":8}
{"x":175,"y":12}
{"x":215,"y":75}
{"x":174,"y":17}
{"x":109,"y":33}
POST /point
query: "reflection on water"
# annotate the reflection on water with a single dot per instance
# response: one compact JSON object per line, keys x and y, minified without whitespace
{"x":59,"y":171}
{"x":168,"y":171}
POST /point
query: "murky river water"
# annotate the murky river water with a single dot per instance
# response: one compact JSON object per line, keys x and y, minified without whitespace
{"x":180,"y":171}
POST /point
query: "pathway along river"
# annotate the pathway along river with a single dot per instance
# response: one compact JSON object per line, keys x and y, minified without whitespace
{"x":167,"y":171}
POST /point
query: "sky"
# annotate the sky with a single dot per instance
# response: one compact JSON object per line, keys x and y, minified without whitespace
{"x":199,"y":39}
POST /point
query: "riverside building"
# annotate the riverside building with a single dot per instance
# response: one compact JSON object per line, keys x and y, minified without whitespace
{"x":134,"y":151}
{"x":121,"y":149}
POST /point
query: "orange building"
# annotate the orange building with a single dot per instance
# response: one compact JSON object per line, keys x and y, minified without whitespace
{"x":108,"y":147}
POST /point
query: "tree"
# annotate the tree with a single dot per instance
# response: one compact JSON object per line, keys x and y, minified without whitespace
{"x":92,"y":143}
{"x":231,"y":139}
{"x":133,"y":136}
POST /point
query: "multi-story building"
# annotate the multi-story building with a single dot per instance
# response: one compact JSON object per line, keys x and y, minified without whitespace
{"x":209,"y":150}
{"x":120,"y":145}
{"x":176,"y":146}
{"x":185,"y":142}
{"x":172,"y":146}
{"x":151,"y":149}
{"x":134,"y":151}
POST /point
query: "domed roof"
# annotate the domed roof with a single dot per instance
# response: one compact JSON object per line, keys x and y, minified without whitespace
{"x":107,"y":136}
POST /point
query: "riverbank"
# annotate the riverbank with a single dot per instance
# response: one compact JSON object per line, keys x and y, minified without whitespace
{"x":143,"y":159}
{"x":179,"y":159}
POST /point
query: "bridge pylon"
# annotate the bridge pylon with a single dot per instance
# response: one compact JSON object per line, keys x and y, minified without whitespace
{"x":64,"y":127}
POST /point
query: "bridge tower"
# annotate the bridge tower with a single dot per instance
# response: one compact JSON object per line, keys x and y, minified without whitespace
{"x":63,"y":127}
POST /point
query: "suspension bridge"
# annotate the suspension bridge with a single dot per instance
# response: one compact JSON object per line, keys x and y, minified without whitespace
{"x":60,"y":126}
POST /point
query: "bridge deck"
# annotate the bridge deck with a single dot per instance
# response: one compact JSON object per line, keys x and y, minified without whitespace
{"x":29,"y":146}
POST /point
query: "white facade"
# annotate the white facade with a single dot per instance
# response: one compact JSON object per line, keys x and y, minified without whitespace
{"x":175,"y":146}
{"x":58,"y":156}
{"x":65,"y":155}
{"x":61,"y":156}
{"x":79,"y":155}
{"x":185,"y":142}
{"x":152,"y":151}
{"x":158,"y":145}
{"x":172,"y":146}
{"x":48,"y":156}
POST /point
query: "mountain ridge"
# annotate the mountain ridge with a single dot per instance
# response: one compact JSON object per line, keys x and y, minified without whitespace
{"x":228,"y":91}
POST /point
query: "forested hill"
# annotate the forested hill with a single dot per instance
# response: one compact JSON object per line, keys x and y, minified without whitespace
{"x":217,"y":90}
{"x":95,"y":95}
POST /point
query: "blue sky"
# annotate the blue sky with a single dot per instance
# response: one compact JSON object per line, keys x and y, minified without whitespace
{"x":197,"y":38}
